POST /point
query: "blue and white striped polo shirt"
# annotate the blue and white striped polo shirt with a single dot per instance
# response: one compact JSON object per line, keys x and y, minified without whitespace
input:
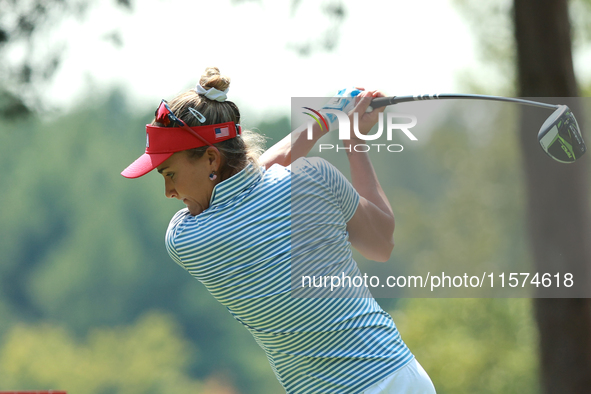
{"x":242,"y":249}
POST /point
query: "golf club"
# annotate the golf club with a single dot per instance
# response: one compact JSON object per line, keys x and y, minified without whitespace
{"x":559,"y":136}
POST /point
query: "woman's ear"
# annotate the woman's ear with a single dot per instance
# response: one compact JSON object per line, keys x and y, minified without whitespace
{"x":213,"y":157}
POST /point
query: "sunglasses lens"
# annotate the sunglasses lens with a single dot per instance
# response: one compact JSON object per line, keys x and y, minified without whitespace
{"x":165,"y":116}
{"x":162,"y":114}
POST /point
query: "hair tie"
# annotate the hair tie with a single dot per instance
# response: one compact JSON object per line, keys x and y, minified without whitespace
{"x":213,"y":93}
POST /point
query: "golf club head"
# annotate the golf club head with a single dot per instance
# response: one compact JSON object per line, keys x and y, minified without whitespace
{"x":560,"y":136}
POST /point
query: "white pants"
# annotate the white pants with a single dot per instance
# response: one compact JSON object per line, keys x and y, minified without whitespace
{"x":411,"y":379}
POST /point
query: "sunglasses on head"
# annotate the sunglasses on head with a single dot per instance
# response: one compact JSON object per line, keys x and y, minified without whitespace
{"x":165,"y":116}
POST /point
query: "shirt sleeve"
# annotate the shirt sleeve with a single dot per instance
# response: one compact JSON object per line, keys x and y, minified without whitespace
{"x":343,"y":191}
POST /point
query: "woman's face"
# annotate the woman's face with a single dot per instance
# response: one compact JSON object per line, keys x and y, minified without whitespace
{"x":187,"y":179}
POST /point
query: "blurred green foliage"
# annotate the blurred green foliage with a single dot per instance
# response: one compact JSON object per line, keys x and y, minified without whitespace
{"x":485,"y":346}
{"x":491,"y":24}
{"x":149,"y":356}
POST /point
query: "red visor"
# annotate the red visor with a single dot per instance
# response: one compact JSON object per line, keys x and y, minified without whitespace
{"x":162,"y":142}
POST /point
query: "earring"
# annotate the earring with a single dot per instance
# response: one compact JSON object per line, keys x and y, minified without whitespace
{"x":212,"y":176}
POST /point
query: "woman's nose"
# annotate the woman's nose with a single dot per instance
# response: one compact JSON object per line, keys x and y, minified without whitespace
{"x":169,"y":190}
{"x":171,"y":193}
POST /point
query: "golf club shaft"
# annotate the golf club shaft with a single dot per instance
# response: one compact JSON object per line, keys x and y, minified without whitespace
{"x":383,"y":101}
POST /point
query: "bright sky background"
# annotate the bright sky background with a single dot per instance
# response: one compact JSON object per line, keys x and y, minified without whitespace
{"x":399,"y":46}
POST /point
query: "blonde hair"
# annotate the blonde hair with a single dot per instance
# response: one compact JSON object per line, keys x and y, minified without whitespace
{"x":237,"y":152}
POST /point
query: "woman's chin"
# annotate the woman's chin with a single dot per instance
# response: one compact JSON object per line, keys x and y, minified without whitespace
{"x":194,"y":210}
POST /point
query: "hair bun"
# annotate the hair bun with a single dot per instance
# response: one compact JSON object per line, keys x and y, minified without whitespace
{"x":212,"y":78}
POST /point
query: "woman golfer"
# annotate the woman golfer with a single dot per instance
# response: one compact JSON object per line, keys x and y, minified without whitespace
{"x":253,"y":227}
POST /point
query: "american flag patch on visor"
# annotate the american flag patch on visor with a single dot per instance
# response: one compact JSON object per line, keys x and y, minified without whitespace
{"x":222,"y":132}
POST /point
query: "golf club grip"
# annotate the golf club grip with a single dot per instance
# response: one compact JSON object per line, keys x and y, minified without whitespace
{"x":385,"y":101}
{"x":382,"y":102}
